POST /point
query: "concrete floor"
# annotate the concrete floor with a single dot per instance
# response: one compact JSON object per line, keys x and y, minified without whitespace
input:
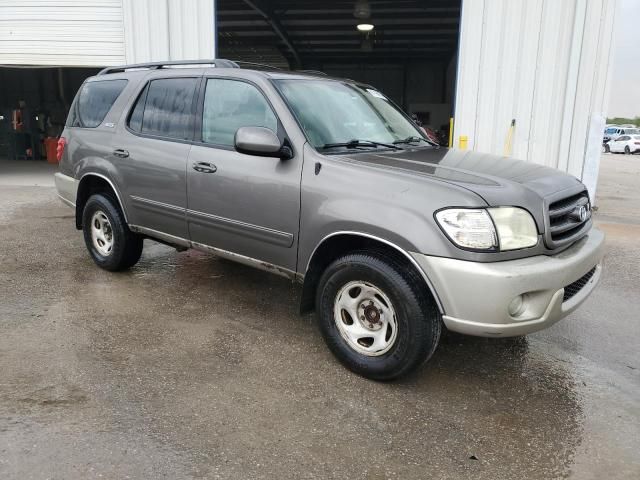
{"x":25,"y":173}
{"x":189,"y":366}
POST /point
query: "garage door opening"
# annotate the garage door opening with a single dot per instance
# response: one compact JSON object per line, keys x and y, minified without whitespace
{"x":410,"y":54}
{"x":34,"y":103}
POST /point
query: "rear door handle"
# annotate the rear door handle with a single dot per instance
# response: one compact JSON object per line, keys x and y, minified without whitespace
{"x":119,"y":152}
{"x":205,"y":167}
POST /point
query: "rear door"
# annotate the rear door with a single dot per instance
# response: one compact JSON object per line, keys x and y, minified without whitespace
{"x":245,"y":204}
{"x":151,"y":152}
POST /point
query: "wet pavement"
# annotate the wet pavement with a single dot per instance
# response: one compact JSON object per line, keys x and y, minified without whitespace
{"x":189,"y":366}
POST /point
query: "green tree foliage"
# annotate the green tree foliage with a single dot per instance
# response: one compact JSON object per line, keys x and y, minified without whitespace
{"x":622,"y":120}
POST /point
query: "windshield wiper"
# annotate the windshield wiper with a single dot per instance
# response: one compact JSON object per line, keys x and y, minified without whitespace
{"x":413,"y":139}
{"x":358,"y":143}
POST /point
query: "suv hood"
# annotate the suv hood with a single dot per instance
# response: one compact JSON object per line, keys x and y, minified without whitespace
{"x":498,"y":180}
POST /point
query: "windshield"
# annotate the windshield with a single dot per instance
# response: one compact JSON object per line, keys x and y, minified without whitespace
{"x":333,"y":112}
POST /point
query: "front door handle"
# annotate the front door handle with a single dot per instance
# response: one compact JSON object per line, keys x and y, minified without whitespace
{"x":205,"y":167}
{"x":119,"y":152}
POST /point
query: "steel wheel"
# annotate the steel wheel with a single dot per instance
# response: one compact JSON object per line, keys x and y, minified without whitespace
{"x":101,"y":233}
{"x":365,"y":318}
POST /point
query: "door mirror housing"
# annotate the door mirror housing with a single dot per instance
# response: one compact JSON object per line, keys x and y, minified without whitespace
{"x":260,"y":141}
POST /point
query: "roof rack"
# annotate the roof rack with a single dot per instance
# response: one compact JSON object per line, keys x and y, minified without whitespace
{"x":171,"y":64}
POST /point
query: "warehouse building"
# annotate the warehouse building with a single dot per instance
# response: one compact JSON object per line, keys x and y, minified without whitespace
{"x":526,"y":78}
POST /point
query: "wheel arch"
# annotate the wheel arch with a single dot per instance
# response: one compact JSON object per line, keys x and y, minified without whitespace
{"x":341,"y":243}
{"x":91,"y":183}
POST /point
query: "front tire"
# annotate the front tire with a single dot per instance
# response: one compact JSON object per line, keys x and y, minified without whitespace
{"x":110,"y":242}
{"x":606,"y":148}
{"x":374,"y":316}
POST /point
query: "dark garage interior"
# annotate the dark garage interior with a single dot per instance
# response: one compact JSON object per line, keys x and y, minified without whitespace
{"x":410,"y":53}
{"x":34,"y":103}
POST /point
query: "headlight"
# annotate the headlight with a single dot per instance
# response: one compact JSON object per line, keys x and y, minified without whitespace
{"x":516,"y":228}
{"x":506,"y":228}
{"x":468,"y":228}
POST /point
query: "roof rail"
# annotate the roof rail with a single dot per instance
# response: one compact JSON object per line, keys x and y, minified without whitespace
{"x":221,"y":63}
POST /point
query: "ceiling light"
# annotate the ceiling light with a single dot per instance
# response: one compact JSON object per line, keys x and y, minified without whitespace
{"x":365,"y":27}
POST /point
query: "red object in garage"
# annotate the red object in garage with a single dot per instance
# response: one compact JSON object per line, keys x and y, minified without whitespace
{"x":51,"y":147}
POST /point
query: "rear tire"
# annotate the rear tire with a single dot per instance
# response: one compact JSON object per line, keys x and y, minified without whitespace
{"x":627,"y":150}
{"x":110,"y":242}
{"x":374,"y":316}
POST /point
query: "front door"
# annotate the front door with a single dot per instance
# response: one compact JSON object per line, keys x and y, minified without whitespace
{"x":244,"y":204}
{"x":618,"y":144}
{"x":151,"y":153}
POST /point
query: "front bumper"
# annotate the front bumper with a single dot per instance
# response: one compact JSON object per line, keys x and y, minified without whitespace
{"x":476,"y":296}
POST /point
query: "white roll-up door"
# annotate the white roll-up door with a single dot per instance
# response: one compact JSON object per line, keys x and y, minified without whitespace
{"x":87,"y":33}
{"x":61,"y":32}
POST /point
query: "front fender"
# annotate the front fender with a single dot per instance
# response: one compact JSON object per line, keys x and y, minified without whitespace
{"x":393,"y":206}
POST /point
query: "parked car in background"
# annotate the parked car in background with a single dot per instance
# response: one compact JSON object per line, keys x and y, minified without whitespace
{"x":624,"y":144}
{"x":327,"y":182}
{"x":612,"y":133}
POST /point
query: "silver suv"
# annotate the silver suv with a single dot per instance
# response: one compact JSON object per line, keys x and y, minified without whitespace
{"x":327,"y":182}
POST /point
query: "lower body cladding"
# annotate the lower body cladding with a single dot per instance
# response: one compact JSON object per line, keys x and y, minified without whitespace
{"x":517,"y":297}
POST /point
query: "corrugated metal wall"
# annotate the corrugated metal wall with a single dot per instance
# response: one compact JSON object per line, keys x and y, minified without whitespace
{"x":544,"y":63}
{"x":104,"y":32}
{"x":61,"y":32}
{"x":169,"y":30}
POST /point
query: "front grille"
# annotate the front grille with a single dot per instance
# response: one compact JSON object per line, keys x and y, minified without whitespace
{"x":565,"y":221}
{"x":573,"y":288}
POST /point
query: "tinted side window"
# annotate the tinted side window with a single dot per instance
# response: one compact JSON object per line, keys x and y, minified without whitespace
{"x":93,"y":102}
{"x":231,"y":104}
{"x":169,"y":107}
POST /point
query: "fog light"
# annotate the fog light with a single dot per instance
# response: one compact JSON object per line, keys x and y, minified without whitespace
{"x":517,"y":306}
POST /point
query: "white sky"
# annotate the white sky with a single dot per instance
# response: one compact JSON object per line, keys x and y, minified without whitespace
{"x":625,"y":74}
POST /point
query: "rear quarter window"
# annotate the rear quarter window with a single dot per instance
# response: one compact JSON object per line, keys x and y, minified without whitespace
{"x":93,"y":102}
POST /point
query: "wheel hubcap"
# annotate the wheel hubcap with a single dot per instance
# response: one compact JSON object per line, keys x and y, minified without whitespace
{"x":365,"y":318}
{"x":101,"y":233}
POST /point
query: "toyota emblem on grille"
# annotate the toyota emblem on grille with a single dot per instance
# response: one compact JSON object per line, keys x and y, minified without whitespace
{"x":581,"y":213}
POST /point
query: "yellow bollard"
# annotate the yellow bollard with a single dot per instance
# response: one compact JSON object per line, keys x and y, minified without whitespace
{"x":508,"y":143}
{"x":450,"y":132}
{"x":462,"y":142}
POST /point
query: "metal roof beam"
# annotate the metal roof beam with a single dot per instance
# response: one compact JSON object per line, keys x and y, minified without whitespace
{"x":339,"y":30}
{"x":270,"y":18}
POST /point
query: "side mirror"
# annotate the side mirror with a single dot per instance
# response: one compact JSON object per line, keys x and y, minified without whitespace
{"x":260,"y":141}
